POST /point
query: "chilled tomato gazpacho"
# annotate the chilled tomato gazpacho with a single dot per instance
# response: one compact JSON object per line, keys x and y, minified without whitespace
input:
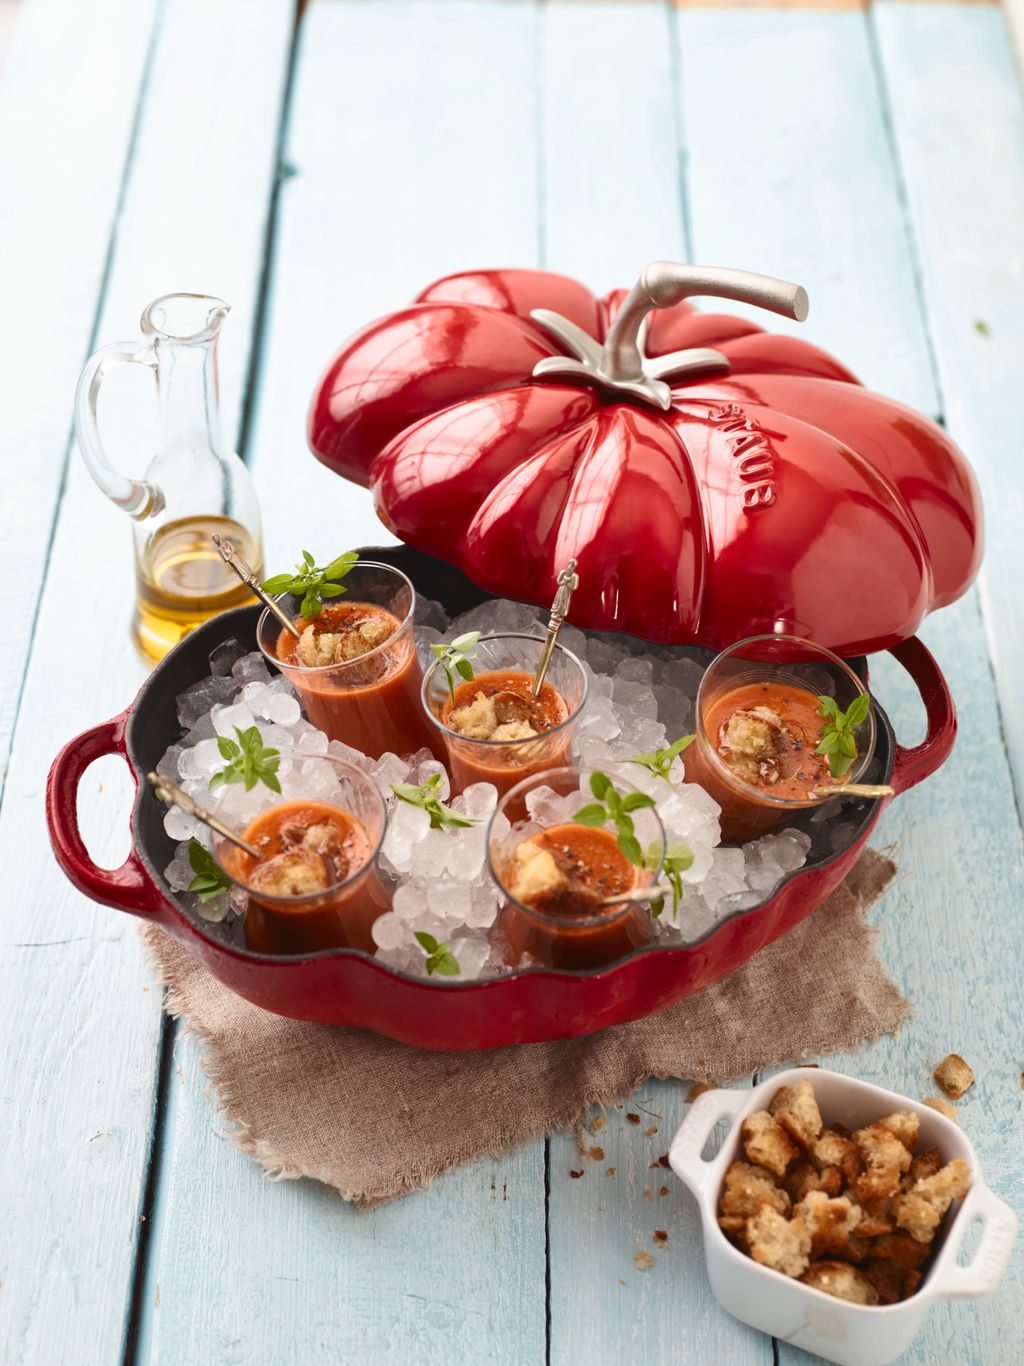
{"x":767,"y":733}
{"x":353,"y":663}
{"x":480,"y":693}
{"x":499,"y":706}
{"x":303,"y":890}
{"x":769,"y":744}
{"x":561,"y":878}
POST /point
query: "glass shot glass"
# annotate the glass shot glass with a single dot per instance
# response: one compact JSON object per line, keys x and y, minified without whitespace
{"x":371,"y":702}
{"x":501,"y":660}
{"x":569,"y":930}
{"x":286,"y":915}
{"x":784,"y":676}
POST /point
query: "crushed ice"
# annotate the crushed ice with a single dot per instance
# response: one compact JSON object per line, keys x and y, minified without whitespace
{"x":641,"y":699}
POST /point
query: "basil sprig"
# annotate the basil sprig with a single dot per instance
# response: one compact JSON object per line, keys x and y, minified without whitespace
{"x":313,"y":584}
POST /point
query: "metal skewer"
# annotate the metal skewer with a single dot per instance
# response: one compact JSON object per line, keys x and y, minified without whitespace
{"x":172,"y":794}
{"x":230,"y":556}
{"x":648,"y":893}
{"x":853,"y":790}
{"x":568,"y":582}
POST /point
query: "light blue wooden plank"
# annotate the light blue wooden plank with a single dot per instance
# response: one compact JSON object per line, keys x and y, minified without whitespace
{"x":958,"y":115}
{"x":372,"y":213}
{"x":414,"y":151}
{"x":790,"y":172}
{"x":79,"y":1025}
{"x":612,"y":202}
{"x":611,"y":195}
{"x":603,"y":1307}
{"x":951,"y":925}
{"x":812,"y":164}
{"x":251,"y":1270}
{"x":68,"y":91}
{"x":950,"y":935}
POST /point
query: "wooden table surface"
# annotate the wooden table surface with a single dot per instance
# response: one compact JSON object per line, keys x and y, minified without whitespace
{"x":317,"y":176}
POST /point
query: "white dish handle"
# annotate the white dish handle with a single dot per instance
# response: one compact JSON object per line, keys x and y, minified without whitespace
{"x":998,"y":1232}
{"x":684,"y":1155}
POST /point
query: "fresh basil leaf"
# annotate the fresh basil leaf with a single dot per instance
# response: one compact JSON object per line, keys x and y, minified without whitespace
{"x":857,"y":711}
{"x":636,"y":801}
{"x":629,"y":846}
{"x":426,"y":941}
{"x":280,"y":583}
{"x":828,"y":706}
{"x":594,"y":815}
{"x":600,"y":785}
{"x":445,"y":964}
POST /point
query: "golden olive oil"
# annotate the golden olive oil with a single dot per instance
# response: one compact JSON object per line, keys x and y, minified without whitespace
{"x":182,"y":580}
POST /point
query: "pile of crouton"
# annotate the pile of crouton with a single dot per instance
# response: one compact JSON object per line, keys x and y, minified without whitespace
{"x":852,"y":1214}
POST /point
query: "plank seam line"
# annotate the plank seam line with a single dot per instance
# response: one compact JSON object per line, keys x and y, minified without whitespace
{"x":903,"y":200}
{"x":547,"y":1251}
{"x":283,"y":171}
{"x":540,"y":125}
{"x":675,"y":56}
{"x":136,"y":1306}
{"x":108,"y":264}
{"x":147,"y":1202}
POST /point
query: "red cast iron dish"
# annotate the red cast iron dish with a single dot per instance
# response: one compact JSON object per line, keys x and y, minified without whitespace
{"x":348,"y":987}
{"x":713,"y":480}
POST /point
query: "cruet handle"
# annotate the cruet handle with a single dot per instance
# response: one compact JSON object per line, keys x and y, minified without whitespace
{"x":134,"y":496}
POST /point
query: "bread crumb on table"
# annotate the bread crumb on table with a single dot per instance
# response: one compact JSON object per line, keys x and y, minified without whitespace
{"x":954,"y":1076}
{"x":942,"y":1105}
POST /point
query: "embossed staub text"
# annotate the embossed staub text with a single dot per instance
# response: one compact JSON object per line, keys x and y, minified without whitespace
{"x":753,"y":458}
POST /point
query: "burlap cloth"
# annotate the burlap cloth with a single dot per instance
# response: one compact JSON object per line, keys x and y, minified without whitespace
{"x":375,"y":1119}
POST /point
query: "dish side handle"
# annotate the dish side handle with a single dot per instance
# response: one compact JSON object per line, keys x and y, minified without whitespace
{"x":127,"y":888}
{"x":684,"y":1155}
{"x":912,"y":766}
{"x":998,"y":1233}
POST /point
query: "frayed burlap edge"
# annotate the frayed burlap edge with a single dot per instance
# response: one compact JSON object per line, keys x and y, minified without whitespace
{"x":518,"y":1127}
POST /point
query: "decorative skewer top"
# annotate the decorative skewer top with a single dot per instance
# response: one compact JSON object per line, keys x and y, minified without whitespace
{"x":568,"y":581}
{"x":230,"y":556}
{"x":172,"y":794}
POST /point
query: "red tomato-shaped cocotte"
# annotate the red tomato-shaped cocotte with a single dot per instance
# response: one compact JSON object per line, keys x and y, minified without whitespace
{"x":712,"y":480}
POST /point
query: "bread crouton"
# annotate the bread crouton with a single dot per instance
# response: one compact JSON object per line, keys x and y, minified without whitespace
{"x":782,"y":1244}
{"x":920,"y":1211}
{"x":805,"y":1177}
{"x":833,"y":1150}
{"x":925,"y":1164}
{"x":751,"y":741}
{"x":796,"y":1110}
{"x":842,"y":1281}
{"x":732,"y":1225}
{"x":476,"y":719}
{"x":888,"y":1282}
{"x":316,"y":648}
{"x":885,"y":1161}
{"x":905,"y":1125}
{"x":513,"y":730}
{"x":830,"y":1222}
{"x":296,"y":872}
{"x":746,"y":1189}
{"x":765,"y":1143}
{"x":954,"y":1076}
{"x":901,"y":1251}
{"x":535,"y":872}
{"x":942,"y":1106}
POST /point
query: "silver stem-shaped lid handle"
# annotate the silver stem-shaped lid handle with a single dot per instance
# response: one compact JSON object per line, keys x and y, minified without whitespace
{"x":664,"y":283}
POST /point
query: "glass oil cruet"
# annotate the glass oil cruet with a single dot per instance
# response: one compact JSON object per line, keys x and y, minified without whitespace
{"x":193,"y":487}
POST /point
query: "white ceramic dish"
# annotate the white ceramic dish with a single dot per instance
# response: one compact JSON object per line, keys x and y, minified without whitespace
{"x":850,"y":1334}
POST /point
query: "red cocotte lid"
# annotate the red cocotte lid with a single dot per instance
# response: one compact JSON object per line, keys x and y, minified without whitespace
{"x":713,"y":480}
